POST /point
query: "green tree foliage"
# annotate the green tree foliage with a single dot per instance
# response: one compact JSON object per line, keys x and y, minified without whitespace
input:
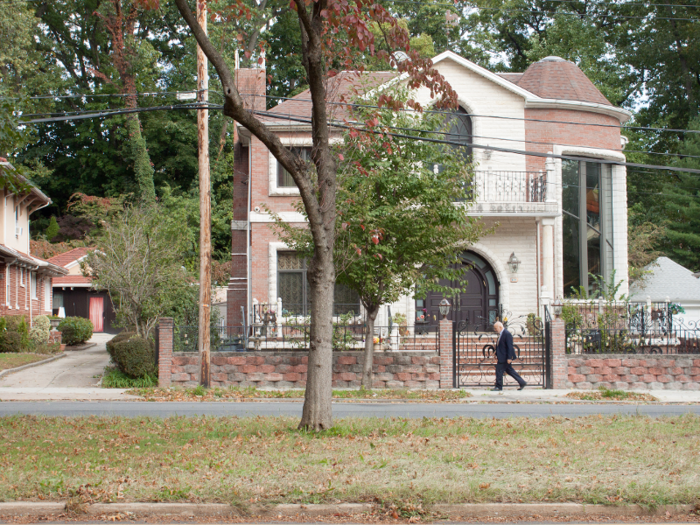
{"x":398,"y":229}
{"x":682,"y":205}
{"x":138,"y":261}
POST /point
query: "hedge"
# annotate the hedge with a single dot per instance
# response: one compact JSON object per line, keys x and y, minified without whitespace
{"x":134,"y":356}
{"x":75,"y":330}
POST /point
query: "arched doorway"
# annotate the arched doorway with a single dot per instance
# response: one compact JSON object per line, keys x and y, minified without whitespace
{"x":477,"y":304}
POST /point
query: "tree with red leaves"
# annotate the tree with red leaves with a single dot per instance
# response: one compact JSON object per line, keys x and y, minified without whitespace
{"x":332,"y":32}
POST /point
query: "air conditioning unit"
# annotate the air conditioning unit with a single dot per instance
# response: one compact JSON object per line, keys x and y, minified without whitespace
{"x":18,"y":231}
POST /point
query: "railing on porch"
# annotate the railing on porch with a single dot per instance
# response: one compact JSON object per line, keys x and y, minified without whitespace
{"x":629,"y":328}
{"x":508,"y":186}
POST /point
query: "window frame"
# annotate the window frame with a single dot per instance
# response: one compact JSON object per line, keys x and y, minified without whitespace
{"x":604,"y":230}
{"x":33,"y":283}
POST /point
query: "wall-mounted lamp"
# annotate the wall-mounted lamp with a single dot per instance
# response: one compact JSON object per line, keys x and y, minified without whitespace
{"x":444,"y":308}
{"x":513,"y":263}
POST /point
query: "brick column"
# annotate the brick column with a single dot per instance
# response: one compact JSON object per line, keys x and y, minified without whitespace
{"x":165,"y":351}
{"x":560,"y":366}
{"x":446,"y":354}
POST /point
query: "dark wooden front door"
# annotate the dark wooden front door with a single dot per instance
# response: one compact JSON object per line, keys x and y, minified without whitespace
{"x":477,"y":304}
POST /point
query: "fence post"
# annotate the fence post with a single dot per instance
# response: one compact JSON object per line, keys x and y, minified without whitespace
{"x":165,"y":351}
{"x":445,"y":343}
{"x":560,"y":365}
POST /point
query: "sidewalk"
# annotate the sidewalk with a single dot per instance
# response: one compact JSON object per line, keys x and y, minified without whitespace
{"x":529,"y":395}
{"x":78,"y":369}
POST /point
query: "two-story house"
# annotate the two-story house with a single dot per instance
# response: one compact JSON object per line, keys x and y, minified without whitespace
{"x":547,"y":149}
{"x":27,"y":288}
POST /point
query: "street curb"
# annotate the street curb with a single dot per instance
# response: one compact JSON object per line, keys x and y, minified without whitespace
{"x":478,"y":510}
{"x":31,"y":508}
{"x":555,"y":509}
{"x":31,"y":365}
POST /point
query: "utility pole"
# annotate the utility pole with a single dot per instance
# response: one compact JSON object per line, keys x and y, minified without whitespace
{"x":204,"y":206}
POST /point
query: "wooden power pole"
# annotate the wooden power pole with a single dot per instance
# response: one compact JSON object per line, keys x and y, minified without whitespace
{"x":204,"y":206}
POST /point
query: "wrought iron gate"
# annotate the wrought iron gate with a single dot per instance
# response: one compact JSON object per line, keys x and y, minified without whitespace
{"x":475,"y":350}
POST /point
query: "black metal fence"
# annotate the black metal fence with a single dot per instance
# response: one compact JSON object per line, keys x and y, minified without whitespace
{"x":599,"y":327}
{"x":295,"y":337}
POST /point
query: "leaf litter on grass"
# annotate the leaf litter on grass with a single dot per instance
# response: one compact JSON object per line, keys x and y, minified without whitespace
{"x":403,"y":462}
{"x":240,"y":394}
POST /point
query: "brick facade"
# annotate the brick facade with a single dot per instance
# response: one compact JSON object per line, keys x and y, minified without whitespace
{"x":165,"y":351}
{"x":20,"y":297}
{"x":288,"y":369}
{"x":669,"y":372}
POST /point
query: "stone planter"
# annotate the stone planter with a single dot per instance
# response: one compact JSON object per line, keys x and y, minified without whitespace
{"x":54,"y":323}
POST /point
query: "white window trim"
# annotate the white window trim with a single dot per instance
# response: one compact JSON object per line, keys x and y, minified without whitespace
{"x":299,"y":142}
{"x":8,"y":288}
{"x":34,"y":295}
{"x":21,"y":277}
{"x":273,"y":248}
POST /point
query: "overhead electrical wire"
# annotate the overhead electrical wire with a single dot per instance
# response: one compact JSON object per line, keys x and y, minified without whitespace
{"x":108,"y":113}
{"x":351,"y":104}
{"x":484,"y":147}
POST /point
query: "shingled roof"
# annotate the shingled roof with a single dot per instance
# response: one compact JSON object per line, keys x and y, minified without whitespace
{"x":341,"y":88}
{"x":559,"y":79}
{"x":64,"y":259}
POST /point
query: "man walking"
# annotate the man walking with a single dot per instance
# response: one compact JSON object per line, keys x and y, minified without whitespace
{"x":505,"y":354}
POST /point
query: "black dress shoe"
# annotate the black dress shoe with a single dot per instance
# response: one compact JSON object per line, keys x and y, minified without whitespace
{"x":496,"y":390}
{"x":522,"y":386}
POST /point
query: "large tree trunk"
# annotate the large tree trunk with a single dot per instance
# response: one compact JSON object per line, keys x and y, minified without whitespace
{"x":317,"y":412}
{"x":369,"y":349}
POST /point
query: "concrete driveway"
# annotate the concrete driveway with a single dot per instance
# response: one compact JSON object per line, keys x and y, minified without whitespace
{"x":79,"y":369}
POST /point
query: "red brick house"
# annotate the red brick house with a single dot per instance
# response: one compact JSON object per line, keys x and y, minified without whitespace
{"x":27,"y":279}
{"x":547,"y":147}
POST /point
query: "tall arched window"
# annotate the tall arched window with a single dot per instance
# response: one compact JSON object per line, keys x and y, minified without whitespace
{"x":460,"y":130}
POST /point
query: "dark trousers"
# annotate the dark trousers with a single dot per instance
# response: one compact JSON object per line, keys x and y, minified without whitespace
{"x":508,"y":369}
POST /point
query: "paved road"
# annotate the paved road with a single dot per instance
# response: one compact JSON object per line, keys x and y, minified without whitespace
{"x":77,"y":370}
{"x":340,"y":410}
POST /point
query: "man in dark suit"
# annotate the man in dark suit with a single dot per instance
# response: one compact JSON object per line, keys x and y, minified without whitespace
{"x":505,"y":354}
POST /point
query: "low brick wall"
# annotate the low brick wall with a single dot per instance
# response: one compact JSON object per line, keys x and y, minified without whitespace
{"x":670,"y":372}
{"x":288,"y":369}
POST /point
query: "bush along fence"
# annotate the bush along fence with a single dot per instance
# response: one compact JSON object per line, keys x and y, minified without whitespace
{"x":276,"y":359}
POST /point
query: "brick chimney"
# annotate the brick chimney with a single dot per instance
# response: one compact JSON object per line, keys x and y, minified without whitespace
{"x":251,"y":86}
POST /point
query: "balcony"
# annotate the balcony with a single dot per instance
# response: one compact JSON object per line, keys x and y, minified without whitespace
{"x":505,"y":193}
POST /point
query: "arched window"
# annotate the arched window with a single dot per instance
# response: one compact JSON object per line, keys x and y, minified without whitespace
{"x":460,"y":130}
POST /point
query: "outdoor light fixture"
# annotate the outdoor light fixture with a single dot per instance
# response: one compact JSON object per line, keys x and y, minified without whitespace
{"x":513,"y":263}
{"x":557,"y":306}
{"x":444,"y":308}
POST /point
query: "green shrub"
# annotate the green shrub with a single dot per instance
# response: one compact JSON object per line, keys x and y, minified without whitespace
{"x":11,"y":342}
{"x":75,"y":330}
{"x":135,"y":356}
{"x":47,"y":348}
{"x":19,"y":341}
{"x":121,"y":336}
{"x":115,"y":378}
{"x":39,"y":334}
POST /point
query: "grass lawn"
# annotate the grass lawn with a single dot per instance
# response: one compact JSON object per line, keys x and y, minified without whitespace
{"x":15,"y":360}
{"x":235,"y":393}
{"x":611,"y":395}
{"x":246,"y":461}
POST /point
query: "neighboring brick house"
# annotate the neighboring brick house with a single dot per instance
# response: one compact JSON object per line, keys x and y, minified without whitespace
{"x":552,"y":108}
{"x":26,"y":288}
{"x":74,"y":293}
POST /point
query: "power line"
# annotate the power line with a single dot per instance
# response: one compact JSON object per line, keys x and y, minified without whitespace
{"x":480,"y":146}
{"x":350,"y":104}
{"x":104,"y":114}
{"x":551,"y":15}
{"x":109,"y":113}
{"x":113,"y":95}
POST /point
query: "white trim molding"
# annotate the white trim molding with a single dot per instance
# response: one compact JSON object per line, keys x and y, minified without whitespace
{"x":286,"y":216}
{"x":272,"y":250}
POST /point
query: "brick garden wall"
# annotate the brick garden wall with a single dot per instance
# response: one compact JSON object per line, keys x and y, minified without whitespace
{"x":668,"y":372}
{"x":288,"y":369}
